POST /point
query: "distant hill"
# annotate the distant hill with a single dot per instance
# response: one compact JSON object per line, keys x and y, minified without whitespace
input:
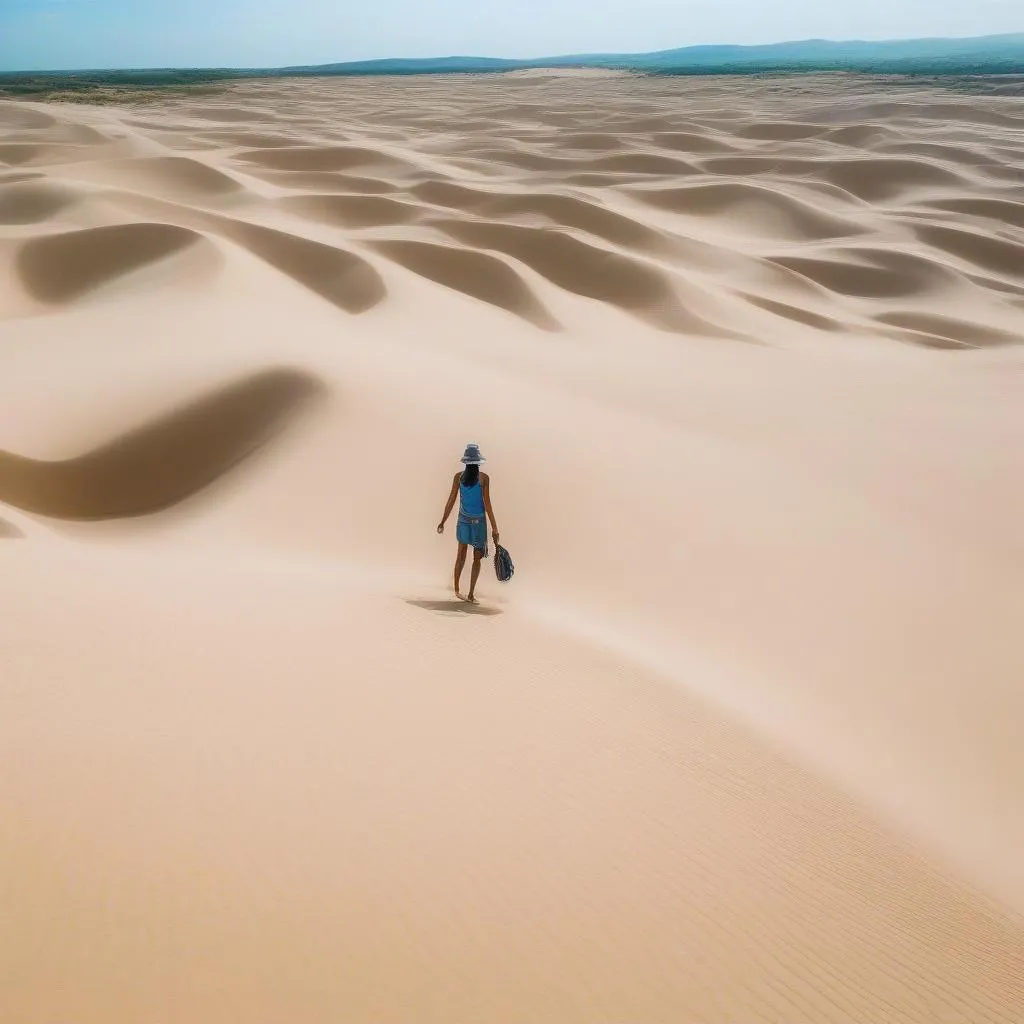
{"x":995,"y":54}
{"x":983,"y":55}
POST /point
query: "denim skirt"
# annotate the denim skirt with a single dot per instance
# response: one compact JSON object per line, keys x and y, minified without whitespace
{"x":472,"y":530}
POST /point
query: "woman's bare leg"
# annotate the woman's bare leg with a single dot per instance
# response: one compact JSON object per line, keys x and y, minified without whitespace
{"x":460,"y":561}
{"x":474,"y":573}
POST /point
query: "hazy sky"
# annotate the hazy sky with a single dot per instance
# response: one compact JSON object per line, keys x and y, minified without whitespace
{"x":55,"y":34}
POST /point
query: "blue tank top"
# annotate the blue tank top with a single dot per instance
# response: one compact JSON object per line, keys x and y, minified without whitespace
{"x":472,"y":499}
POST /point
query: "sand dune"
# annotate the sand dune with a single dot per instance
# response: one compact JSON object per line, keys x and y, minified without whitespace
{"x":691,"y":142}
{"x":976,"y":248}
{"x":160,"y":463}
{"x":478,"y":274}
{"x":766,"y":211}
{"x":797,"y":313}
{"x":739,"y":743}
{"x":323,"y":158}
{"x":964,"y":332}
{"x":58,"y":268}
{"x":584,"y":269}
{"x":873,"y":273}
{"x":327,"y":181}
{"x":231,"y":114}
{"x":11,"y":177}
{"x":8,"y":531}
{"x":15,"y":116}
{"x":881,"y":178}
{"x":1000,"y":210}
{"x":16,"y":153}
{"x":353,"y":211}
{"x":340,"y":276}
{"x":560,"y":211}
{"x":23,"y":202}
{"x":169,"y":175}
{"x":780,"y":131}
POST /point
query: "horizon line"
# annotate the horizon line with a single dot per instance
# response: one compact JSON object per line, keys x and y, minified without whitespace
{"x":521,"y":60}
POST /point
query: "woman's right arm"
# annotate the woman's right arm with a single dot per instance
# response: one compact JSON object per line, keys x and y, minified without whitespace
{"x":450,"y":505}
{"x":488,"y":508}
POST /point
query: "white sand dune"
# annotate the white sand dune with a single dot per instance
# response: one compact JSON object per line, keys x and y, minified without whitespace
{"x":741,"y":741}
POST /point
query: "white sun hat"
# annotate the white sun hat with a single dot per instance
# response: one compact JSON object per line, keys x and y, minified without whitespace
{"x":471,"y":456}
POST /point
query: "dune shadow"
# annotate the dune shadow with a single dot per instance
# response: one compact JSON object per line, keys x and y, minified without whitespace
{"x":164,"y":461}
{"x":750,"y":208}
{"x":177,"y":174}
{"x":337,"y":275}
{"x":352,"y":211}
{"x":317,"y":158}
{"x":454,"y":606}
{"x":632,"y":284}
{"x":59,"y":268}
{"x":8,"y":531}
{"x":474,"y":273}
{"x":31,"y":203}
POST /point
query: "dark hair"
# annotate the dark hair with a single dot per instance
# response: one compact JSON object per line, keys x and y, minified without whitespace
{"x":470,"y":475}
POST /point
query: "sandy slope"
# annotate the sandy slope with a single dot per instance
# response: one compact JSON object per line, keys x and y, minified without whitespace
{"x":741,"y":741}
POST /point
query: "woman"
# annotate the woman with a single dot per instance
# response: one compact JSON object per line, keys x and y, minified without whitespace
{"x":473,"y":489}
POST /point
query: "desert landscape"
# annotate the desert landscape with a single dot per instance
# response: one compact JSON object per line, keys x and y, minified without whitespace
{"x":740,"y":742}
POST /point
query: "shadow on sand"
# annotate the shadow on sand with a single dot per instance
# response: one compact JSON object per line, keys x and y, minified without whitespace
{"x":454,"y":606}
{"x":162,"y":462}
{"x":8,"y":531}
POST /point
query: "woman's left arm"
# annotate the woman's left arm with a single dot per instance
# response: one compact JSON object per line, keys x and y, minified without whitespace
{"x":489,"y":508}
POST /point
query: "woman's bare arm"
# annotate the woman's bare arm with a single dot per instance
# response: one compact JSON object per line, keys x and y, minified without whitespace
{"x":486,"y":483}
{"x":450,"y":505}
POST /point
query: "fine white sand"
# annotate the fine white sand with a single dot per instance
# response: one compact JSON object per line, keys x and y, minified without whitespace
{"x":740,"y":743}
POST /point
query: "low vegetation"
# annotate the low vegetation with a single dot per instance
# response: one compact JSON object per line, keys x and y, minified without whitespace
{"x":110,"y":86}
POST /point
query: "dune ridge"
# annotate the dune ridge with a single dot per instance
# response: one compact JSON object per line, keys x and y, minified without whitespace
{"x":739,"y":742}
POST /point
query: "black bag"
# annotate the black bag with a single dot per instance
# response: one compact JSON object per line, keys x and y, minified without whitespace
{"x":503,"y":567}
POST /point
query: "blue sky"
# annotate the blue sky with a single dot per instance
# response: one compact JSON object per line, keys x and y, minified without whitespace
{"x":65,"y":34}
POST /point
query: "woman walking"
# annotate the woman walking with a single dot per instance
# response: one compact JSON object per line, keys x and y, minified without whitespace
{"x":473,"y":490}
